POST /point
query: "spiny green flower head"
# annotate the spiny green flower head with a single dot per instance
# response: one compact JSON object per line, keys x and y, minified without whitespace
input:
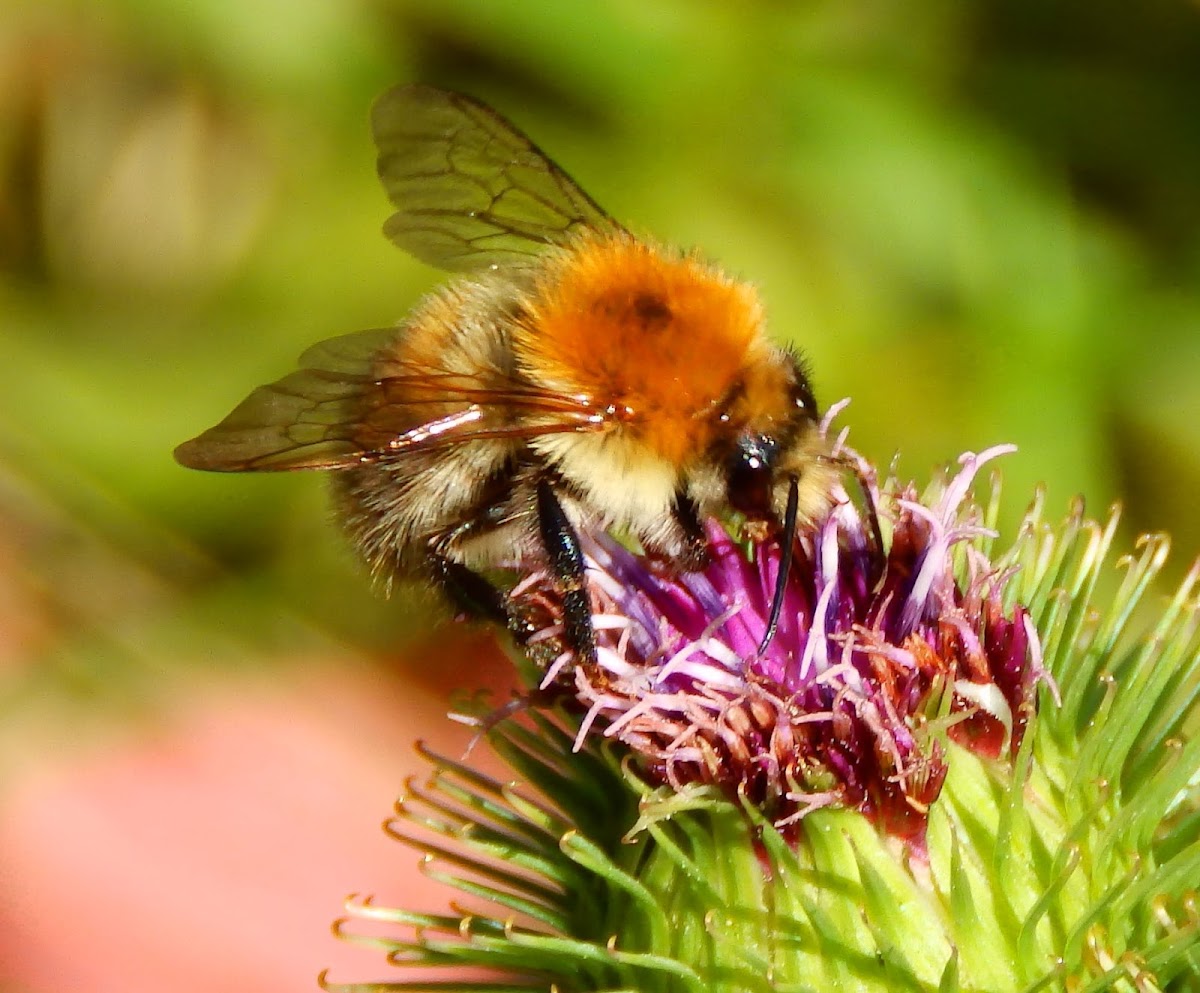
{"x":952,"y":769}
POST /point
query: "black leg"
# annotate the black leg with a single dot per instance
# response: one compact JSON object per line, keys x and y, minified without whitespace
{"x":873,"y":516}
{"x":871,"y":513}
{"x":684,"y":546}
{"x":566,"y":566}
{"x":696,"y":554}
{"x":468,"y":590}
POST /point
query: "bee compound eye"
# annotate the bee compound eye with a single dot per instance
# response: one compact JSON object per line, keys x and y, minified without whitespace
{"x":749,"y":472}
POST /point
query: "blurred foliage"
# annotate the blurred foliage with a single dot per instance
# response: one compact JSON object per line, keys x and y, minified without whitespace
{"x":980,"y":221}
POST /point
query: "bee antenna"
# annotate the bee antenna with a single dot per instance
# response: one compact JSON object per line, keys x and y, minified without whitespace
{"x":839,"y":462}
{"x":785,"y":564}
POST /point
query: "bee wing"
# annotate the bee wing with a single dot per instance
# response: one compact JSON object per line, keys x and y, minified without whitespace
{"x":471,"y":190}
{"x":335,"y":414}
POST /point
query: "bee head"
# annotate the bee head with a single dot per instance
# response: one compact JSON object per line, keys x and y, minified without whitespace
{"x":775,"y":467}
{"x":777,"y":445}
{"x":750,"y":475}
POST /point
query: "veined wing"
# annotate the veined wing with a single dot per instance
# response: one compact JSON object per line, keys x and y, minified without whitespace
{"x":471,"y":190}
{"x":335,"y":414}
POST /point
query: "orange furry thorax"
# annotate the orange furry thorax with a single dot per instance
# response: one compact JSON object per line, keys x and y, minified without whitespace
{"x":665,"y":338}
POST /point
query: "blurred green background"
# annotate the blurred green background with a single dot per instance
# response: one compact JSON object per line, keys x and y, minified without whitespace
{"x":980,"y":221}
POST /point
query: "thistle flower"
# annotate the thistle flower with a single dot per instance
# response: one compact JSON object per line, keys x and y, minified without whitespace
{"x":951,"y":769}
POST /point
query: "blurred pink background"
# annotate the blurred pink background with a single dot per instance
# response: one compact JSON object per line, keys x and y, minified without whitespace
{"x":208,"y":841}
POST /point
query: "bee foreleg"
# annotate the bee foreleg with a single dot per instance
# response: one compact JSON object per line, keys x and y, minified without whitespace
{"x":680,"y":545}
{"x":694,"y":552}
{"x":565,"y":559}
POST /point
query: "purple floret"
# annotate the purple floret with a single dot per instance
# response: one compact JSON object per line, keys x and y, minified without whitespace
{"x":874,"y":644}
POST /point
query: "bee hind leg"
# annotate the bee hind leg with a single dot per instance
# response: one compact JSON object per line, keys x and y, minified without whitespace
{"x":467,"y":590}
{"x":565,"y":559}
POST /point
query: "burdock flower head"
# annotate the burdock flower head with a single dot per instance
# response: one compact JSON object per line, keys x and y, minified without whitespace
{"x":949,"y":768}
{"x":882,"y":652}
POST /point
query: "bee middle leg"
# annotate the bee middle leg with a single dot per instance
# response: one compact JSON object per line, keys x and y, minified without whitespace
{"x":565,"y":559}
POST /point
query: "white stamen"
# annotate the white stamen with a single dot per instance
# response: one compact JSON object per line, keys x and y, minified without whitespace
{"x":610,"y":622}
{"x":555,"y":668}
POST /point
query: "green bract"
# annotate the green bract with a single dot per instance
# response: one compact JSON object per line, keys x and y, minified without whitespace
{"x":1070,"y":865}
